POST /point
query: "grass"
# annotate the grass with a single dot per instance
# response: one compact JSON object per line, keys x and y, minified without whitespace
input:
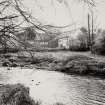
{"x":39,"y":59}
{"x":80,"y":64}
{"x":16,"y":95}
{"x":68,"y":62}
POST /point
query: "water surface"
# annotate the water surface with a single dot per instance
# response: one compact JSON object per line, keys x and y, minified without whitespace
{"x":51,"y":87}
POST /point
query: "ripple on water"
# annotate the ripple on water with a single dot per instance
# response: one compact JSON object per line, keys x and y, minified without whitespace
{"x":51,"y":87}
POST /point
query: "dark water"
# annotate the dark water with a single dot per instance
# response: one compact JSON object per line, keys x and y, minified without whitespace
{"x":50,"y":87}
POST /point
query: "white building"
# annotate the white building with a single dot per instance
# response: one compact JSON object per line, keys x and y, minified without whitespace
{"x":63,"y":43}
{"x":68,"y":39}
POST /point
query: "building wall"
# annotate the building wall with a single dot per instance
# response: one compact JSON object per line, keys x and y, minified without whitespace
{"x":63,"y":43}
{"x":53,"y":44}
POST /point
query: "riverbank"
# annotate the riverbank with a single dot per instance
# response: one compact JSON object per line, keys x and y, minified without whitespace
{"x":82,"y":65}
{"x":67,"y":62}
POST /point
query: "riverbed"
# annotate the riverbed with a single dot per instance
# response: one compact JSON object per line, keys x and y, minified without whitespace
{"x":50,"y":87}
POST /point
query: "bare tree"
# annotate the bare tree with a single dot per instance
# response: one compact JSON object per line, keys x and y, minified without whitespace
{"x":8,"y":25}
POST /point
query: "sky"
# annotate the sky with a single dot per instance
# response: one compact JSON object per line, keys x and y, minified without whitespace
{"x":65,"y":12}
{"x":54,"y":12}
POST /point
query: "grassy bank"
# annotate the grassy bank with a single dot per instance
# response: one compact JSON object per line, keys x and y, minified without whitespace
{"x":80,"y":64}
{"x":77,"y":63}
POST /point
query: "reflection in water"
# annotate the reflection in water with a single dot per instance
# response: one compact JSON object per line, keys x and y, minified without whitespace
{"x":51,"y":87}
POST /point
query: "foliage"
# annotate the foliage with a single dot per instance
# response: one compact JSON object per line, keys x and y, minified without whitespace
{"x":83,"y":38}
{"x":30,"y":33}
{"x":99,"y":46}
{"x":16,"y":95}
{"x":12,"y":15}
{"x":81,"y":43}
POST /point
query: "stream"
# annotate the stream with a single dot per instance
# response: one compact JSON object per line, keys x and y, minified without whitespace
{"x":51,"y":87}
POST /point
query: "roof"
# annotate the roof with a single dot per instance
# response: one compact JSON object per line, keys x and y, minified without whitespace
{"x":69,"y":34}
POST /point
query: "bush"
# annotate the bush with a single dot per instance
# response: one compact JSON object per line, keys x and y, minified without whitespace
{"x":99,"y":46}
{"x":78,"y":48}
{"x":16,"y":95}
{"x":81,"y":43}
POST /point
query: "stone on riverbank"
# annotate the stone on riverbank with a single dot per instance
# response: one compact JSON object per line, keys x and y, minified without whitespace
{"x":81,"y":65}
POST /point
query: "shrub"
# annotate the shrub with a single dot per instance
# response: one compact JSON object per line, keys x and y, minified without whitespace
{"x":78,"y":48}
{"x":81,"y":43}
{"x":99,"y":46}
{"x":16,"y":95}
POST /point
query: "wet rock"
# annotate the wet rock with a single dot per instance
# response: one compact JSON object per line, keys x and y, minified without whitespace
{"x":6,"y":64}
{"x":37,"y":84}
{"x":7,"y":55}
{"x":21,"y":65}
{"x":12,"y":59}
{"x":14,"y":65}
{"x":8,"y":69}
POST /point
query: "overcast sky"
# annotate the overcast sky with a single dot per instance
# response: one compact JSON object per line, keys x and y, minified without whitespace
{"x":64,"y":12}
